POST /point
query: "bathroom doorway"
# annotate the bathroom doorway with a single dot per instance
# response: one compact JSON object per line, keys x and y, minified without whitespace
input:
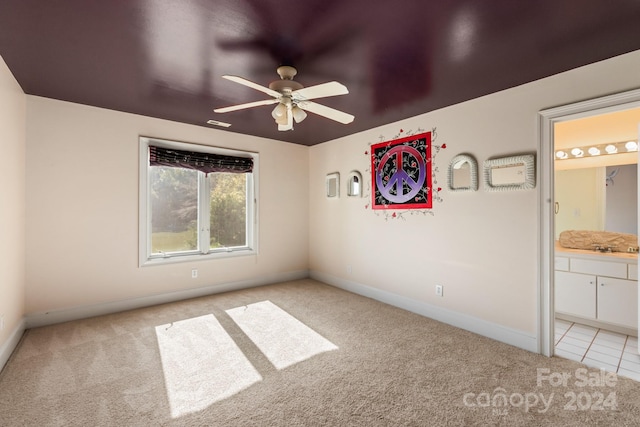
{"x":548,"y":119}
{"x":595,"y":233}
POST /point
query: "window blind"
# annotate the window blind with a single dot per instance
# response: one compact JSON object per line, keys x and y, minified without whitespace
{"x":203,"y":162}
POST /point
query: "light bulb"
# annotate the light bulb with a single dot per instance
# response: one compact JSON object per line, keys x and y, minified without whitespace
{"x":611,"y":149}
{"x":631,"y":146}
{"x":279,"y":112}
{"x":561,"y":154}
{"x":282,"y":120}
{"x":594,"y":151}
{"x":576,"y":152}
{"x":298,"y":114}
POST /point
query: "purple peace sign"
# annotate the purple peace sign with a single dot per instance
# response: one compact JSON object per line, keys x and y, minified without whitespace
{"x":399,"y":177}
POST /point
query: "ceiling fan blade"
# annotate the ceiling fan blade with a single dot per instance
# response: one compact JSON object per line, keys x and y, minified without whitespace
{"x":247,"y":105}
{"x":320,"y":91}
{"x":253,"y":85}
{"x":328,"y":112}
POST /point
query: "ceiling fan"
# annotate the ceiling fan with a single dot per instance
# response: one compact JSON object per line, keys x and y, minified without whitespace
{"x":293,"y":99}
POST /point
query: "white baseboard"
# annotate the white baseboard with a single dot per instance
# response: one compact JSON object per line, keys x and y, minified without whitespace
{"x":488,"y":329}
{"x":7,"y":348}
{"x":491,"y":330}
{"x":58,"y":316}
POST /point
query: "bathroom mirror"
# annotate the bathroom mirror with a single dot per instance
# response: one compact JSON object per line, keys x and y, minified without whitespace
{"x":463,"y":173}
{"x":603,"y":198}
{"x":510,"y":173}
{"x":333,"y":185}
{"x":354,"y":184}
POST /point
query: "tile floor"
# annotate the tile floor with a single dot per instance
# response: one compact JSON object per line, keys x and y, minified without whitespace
{"x":598,"y":348}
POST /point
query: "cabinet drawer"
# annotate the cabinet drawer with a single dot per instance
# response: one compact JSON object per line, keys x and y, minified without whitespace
{"x":599,"y":268}
{"x":633,"y":271}
{"x":562,"y":263}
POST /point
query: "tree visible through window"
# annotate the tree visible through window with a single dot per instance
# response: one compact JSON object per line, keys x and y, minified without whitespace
{"x":228,"y":223}
{"x":174,"y":209}
{"x":192,"y":209}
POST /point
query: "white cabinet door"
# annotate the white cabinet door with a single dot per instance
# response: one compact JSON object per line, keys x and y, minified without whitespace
{"x":618,"y":301}
{"x":575,"y":294}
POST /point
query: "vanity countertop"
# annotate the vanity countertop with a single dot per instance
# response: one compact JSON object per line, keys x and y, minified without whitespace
{"x":622,"y":256}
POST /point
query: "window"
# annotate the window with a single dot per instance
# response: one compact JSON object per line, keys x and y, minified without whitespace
{"x":195,"y":201}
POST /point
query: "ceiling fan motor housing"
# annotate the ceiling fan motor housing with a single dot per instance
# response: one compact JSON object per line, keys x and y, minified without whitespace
{"x":286,"y":83}
{"x":283,"y":86}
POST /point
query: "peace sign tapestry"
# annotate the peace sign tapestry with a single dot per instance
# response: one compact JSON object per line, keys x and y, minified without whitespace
{"x":401,"y":173}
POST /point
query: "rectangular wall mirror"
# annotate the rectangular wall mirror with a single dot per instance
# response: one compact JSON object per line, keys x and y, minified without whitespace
{"x":510,"y":173}
{"x":333,"y":185}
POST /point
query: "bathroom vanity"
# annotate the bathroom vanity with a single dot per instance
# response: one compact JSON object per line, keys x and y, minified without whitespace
{"x":597,"y":289}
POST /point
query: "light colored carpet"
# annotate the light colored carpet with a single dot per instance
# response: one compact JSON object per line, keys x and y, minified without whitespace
{"x":300,"y":353}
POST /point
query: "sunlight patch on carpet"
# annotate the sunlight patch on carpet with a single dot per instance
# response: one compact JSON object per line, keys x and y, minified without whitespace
{"x":282,"y":338}
{"x":201,"y":363}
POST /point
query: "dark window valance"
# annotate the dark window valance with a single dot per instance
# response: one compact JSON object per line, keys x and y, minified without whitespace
{"x":203,"y":162}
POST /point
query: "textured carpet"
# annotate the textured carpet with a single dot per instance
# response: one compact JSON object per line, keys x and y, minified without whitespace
{"x":300,"y":353}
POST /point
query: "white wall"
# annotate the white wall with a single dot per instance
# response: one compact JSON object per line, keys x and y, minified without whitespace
{"x":12,"y":204}
{"x":482,"y":246}
{"x":82,"y":209}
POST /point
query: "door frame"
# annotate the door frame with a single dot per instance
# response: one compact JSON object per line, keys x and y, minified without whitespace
{"x":546,"y":120}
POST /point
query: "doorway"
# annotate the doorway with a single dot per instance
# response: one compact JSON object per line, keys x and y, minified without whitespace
{"x":547,"y":126}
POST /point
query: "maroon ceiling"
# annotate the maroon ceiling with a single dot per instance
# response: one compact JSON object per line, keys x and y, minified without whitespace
{"x":399,"y":58}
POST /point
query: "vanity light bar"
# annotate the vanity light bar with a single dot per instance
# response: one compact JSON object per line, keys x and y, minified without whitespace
{"x":596,"y":150}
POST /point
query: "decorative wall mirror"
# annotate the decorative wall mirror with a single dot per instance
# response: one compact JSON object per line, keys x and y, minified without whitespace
{"x":333,"y":185}
{"x":354,"y":184}
{"x":463,"y":173}
{"x":510,"y":173}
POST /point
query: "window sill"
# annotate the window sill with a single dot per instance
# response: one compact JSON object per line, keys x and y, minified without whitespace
{"x":172,"y":259}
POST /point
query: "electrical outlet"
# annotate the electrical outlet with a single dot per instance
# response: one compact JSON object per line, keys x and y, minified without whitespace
{"x":349,"y":269}
{"x":2,"y":322}
{"x":194,"y":273}
{"x":439,"y":290}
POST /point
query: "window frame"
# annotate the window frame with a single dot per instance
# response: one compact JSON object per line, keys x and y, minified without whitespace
{"x":146,"y":257}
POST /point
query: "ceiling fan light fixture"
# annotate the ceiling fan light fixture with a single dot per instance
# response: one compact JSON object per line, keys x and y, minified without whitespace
{"x":279,"y":112}
{"x":282,"y":120}
{"x":298,"y":114}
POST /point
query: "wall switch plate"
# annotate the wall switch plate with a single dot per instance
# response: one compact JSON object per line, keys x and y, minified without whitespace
{"x":439,"y":290}
{"x":194,"y":273}
{"x":2,"y":322}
